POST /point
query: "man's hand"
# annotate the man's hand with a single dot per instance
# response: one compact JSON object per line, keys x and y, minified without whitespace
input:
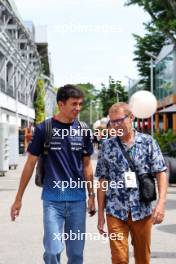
{"x":24,"y":180}
{"x":15,"y":209}
{"x":158,"y":213}
{"x":91,"y":206}
{"x":101,"y":222}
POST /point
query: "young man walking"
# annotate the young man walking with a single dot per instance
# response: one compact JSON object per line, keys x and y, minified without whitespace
{"x":68,"y":161}
{"x":125,"y":211}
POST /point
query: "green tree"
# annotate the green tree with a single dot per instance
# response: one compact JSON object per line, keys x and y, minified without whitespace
{"x":152,"y":42}
{"x":39,"y":102}
{"x":90,"y":97}
{"x":163,"y":14}
{"x":112,"y":93}
{"x":167,"y":142}
{"x":56,"y":109}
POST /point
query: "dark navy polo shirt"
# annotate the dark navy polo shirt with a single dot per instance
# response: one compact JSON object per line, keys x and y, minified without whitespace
{"x":64,"y":163}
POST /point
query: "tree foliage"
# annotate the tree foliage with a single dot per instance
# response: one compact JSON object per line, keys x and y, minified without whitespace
{"x":162,"y":27}
{"x":163,"y":14}
{"x":56,"y":108}
{"x":90,"y":93}
{"x":112,"y":93}
{"x":152,"y":42}
{"x":167,"y":142}
{"x":39,"y":102}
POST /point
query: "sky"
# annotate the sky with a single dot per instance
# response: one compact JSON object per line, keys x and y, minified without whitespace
{"x":89,"y":40}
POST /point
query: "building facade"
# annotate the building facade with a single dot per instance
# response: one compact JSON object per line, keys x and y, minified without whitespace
{"x":164,"y":90}
{"x":20,"y":67}
{"x":23,"y":52}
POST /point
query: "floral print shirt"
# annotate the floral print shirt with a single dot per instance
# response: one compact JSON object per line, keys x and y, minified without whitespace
{"x":111,"y":165}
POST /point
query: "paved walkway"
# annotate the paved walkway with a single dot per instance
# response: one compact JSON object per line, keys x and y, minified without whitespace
{"x":21,"y":242}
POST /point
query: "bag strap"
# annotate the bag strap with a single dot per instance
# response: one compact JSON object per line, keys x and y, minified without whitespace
{"x":126,"y":155}
{"x":48,"y":135}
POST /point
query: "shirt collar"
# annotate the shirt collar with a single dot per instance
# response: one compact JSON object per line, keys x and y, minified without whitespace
{"x":137,"y":139}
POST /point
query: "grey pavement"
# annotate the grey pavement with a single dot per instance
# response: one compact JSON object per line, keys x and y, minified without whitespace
{"x":21,"y":241}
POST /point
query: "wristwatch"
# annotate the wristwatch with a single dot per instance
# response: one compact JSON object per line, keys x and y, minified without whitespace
{"x":91,"y":194}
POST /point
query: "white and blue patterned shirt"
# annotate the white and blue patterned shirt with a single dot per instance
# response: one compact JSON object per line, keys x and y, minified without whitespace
{"x":111,"y":165}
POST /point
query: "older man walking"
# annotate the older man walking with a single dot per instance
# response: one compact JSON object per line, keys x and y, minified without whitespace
{"x":126,"y":212}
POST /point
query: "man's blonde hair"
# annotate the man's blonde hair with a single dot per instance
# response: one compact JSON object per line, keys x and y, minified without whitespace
{"x":121,"y":105}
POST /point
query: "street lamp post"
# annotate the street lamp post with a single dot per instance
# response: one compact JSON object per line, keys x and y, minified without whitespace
{"x":91,"y":112}
{"x":152,"y":65}
{"x":97,"y":105}
{"x":118,"y":92}
{"x":130,"y":81}
{"x":151,"y":85}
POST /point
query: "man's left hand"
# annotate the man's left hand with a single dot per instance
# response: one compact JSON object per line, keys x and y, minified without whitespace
{"x":158,"y":213}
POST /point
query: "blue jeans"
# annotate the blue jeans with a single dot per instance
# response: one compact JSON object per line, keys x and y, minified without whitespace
{"x":67,"y":217}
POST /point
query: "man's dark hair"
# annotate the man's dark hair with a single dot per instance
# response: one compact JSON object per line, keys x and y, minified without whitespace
{"x":68,"y":91}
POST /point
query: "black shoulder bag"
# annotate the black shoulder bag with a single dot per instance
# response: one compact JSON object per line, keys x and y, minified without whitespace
{"x":146,"y":181}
